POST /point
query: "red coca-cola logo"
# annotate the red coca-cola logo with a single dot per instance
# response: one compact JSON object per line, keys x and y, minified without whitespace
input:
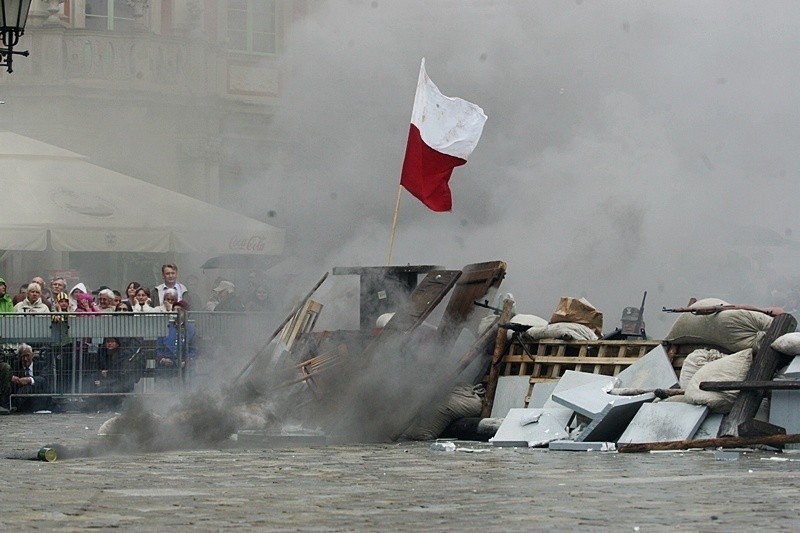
{"x":255,"y":243}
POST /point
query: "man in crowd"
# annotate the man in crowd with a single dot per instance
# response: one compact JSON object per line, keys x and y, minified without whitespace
{"x":227,"y":300}
{"x":23,"y":291}
{"x":57,"y":286}
{"x":25,"y":375}
{"x":32,"y":303}
{"x":169,"y":273}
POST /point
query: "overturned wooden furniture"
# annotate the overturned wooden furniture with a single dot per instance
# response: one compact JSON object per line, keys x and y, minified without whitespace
{"x":302,"y":322}
{"x":311,"y":369}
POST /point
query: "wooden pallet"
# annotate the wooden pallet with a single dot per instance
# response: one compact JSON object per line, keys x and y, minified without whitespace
{"x":550,"y":358}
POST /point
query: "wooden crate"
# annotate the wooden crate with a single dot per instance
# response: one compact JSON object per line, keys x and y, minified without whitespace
{"x":550,"y":358}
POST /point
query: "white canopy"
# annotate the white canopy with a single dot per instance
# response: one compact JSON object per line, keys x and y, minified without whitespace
{"x":55,"y":196}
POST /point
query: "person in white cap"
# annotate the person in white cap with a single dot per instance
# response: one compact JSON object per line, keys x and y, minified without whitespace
{"x":225,"y":296}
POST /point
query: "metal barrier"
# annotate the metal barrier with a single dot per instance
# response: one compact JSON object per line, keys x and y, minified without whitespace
{"x":69,"y":346}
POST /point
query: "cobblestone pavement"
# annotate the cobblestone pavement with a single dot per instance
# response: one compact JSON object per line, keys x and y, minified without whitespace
{"x":372,"y":487}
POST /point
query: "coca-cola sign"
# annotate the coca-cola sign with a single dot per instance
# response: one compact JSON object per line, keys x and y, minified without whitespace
{"x":254,"y":243}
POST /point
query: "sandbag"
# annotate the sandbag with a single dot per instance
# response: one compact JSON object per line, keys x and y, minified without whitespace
{"x":732,"y":367}
{"x":564,"y":331}
{"x":787,"y":344}
{"x":578,"y":311}
{"x":694,"y":361}
{"x":733,"y":330}
{"x":463,"y":401}
{"x":526,"y":320}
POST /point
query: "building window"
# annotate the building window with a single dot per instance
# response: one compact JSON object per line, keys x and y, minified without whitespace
{"x":109,"y":15}
{"x":251,"y":26}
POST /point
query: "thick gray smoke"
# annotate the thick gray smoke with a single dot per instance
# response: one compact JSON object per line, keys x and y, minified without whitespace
{"x":629,"y":147}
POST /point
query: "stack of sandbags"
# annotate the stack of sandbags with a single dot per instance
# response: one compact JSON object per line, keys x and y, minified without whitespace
{"x":573,"y":320}
{"x":578,"y":311}
{"x":732,"y":330}
{"x":712,"y":365}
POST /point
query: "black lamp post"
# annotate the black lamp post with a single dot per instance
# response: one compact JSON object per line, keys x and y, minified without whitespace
{"x":13,"y":16}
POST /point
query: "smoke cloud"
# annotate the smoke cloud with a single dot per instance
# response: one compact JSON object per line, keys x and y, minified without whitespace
{"x":630,"y":147}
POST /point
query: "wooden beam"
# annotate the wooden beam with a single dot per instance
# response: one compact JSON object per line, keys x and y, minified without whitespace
{"x":765,"y":363}
{"x":501,"y":340}
{"x":749,"y":385}
{"x":719,"y":442}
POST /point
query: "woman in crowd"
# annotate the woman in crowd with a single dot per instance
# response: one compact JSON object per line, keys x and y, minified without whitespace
{"x":130,"y":294}
{"x":86,"y":303}
{"x":257,"y":301}
{"x":170,"y":297}
{"x":32,"y":303}
{"x":79,"y":288}
{"x":142,"y":301}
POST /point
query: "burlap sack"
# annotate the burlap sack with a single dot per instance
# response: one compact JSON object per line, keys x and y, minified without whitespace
{"x":578,"y":311}
{"x":732,"y":367}
{"x":732,"y":330}
{"x":695,"y":361}
{"x":463,"y":401}
{"x":788,"y":343}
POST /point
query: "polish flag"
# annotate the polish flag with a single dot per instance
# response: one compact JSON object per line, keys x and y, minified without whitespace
{"x":443,"y":133}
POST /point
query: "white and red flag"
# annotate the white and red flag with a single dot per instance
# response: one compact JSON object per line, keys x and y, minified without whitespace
{"x":443,"y":133}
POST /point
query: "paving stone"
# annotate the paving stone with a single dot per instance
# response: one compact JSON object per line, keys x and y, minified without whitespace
{"x":530,"y":428}
{"x":590,"y":400}
{"x":793,"y":370}
{"x":784,"y":410}
{"x":613,"y":420}
{"x":511,"y":392}
{"x":664,"y":422}
{"x":709,"y":428}
{"x":541,"y":393}
{"x":572,"y":446}
{"x":652,"y":371}
{"x":571,"y":380}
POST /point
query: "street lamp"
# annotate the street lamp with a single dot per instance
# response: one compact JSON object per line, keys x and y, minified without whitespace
{"x":13,"y":16}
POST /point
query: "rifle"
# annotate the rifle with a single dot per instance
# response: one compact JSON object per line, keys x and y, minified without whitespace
{"x":712,"y":309}
{"x":640,"y":320}
{"x":486,"y":305}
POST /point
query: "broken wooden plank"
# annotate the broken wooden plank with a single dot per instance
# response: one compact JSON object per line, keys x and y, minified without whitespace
{"x":476,"y":281}
{"x":719,"y":442}
{"x":501,"y":339}
{"x":757,"y":428}
{"x":265,"y":349}
{"x":659,"y":393}
{"x":765,"y":363}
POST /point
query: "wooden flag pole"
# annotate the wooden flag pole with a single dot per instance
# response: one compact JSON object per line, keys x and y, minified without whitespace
{"x":394,"y":226}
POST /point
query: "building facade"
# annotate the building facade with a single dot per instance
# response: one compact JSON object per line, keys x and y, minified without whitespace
{"x":178,"y":93}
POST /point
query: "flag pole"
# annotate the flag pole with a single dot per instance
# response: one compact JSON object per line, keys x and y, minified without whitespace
{"x":394,"y":225}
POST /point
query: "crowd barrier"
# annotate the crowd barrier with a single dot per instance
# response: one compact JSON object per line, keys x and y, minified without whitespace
{"x":70,"y":356}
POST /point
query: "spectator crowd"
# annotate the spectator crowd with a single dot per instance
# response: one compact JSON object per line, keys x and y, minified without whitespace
{"x":116,"y":364}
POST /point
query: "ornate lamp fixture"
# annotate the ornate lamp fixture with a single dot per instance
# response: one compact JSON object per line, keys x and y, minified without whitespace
{"x":13,"y":16}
